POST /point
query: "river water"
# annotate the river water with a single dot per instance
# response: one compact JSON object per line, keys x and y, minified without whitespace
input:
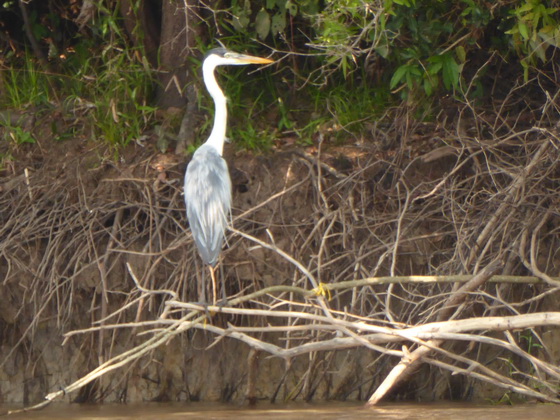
{"x":175,"y":411}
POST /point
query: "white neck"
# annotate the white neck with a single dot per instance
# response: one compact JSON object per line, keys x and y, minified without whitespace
{"x":218,"y":134}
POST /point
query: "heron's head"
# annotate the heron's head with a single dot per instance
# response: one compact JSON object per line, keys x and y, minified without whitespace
{"x":225,"y":57}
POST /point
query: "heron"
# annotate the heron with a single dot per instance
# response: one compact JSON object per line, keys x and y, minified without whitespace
{"x":207,"y":182}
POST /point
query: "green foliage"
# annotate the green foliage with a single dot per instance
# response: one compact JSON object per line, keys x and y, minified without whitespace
{"x":268,"y":17}
{"x":105,"y":83}
{"x":428,"y":75}
{"x":505,"y":399}
{"x":535,"y":28}
{"x":426,"y":45}
{"x":116,"y":82}
{"x":17,"y":135}
{"x":532,"y":344}
{"x":413,"y":37}
{"x":119,"y":94}
{"x":284,"y":121}
{"x":350,"y":109}
{"x":251,"y":138}
{"x":26,"y":85}
{"x":362,"y":54}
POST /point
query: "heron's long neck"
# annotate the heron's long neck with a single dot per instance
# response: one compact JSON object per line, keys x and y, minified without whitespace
{"x":218,"y":134}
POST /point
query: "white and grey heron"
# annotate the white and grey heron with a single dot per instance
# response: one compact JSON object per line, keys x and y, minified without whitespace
{"x":207,"y":181}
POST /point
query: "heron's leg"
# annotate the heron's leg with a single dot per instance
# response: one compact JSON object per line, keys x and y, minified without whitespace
{"x":223,"y":286}
{"x":213,"y":275}
{"x":201,"y":286}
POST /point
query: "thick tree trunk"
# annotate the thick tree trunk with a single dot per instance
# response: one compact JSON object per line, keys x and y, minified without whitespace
{"x":147,"y":20}
{"x":180,"y":26}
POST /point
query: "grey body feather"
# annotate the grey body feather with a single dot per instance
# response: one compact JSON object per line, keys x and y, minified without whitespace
{"x":208,"y":201}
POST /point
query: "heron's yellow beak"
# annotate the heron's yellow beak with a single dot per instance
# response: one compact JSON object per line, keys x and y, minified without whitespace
{"x":249,"y":59}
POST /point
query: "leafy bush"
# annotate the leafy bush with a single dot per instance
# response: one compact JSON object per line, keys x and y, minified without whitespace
{"x":420,"y":46}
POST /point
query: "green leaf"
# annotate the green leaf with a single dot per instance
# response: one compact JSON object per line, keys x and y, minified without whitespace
{"x":436,"y":64}
{"x":450,"y":72}
{"x":550,"y":35}
{"x":20,"y":136}
{"x":461,"y":53}
{"x":292,"y":7}
{"x":262,"y":24}
{"x":399,"y":74}
{"x":344,"y":64}
{"x":523,"y":30}
{"x":278,"y":23}
{"x":539,"y":49}
{"x":526,"y":7}
{"x":525,"y":66}
{"x":428,"y":86}
{"x":240,"y":20}
{"x":382,"y":50}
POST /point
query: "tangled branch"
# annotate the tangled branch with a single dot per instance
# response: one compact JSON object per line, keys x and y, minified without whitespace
{"x":390,"y":251}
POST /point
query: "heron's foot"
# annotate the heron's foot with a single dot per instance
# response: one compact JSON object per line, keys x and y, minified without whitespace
{"x":323,"y":290}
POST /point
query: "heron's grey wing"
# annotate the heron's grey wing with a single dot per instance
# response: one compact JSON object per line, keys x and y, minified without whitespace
{"x":208,"y":201}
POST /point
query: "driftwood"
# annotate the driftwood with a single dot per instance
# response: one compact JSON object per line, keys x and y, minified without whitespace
{"x":352,"y":331}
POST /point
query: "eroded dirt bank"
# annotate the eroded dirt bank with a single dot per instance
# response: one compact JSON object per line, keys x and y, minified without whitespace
{"x":413,"y":199}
